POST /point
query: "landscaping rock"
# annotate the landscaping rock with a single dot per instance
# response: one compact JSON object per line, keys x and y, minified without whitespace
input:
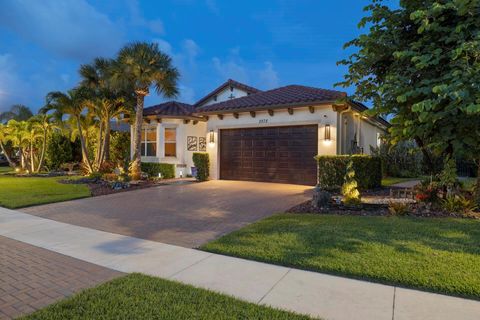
{"x":321,"y":198}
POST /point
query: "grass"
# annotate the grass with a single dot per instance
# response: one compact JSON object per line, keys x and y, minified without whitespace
{"x":388,"y":181}
{"x":138,"y":296}
{"x":17,"y":192}
{"x":5,"y":170}
{"x":440,"y":255}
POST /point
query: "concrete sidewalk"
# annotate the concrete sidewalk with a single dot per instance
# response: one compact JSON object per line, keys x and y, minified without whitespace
{"x":316,"y":294}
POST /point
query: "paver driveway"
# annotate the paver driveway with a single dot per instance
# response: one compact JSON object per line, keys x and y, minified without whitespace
{"x":185,"y":215}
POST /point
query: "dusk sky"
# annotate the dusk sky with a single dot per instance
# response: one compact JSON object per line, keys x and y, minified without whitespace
{"x":264,"y":44}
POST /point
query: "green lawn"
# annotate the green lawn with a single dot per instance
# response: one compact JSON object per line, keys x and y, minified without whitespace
{"x":138,"y":296}
{"x":388,"y":181}
{"x":17,"y":192}
{"x":5,"y":170}
{"x":440,"y":255}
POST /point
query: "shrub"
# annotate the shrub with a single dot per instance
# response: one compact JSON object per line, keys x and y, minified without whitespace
{"x":350,"y":192}
{"x":110,"y":177}
{"x":202,"y":163}
{"x":331,"y":171}
{"x":120,"y":147}
{"x":398,"y":208}
{"x":403,"y":159}
{"x":59,"y":151}
{"x":153,"y":169}
{"x":458,"y":204}
{"x":427,"y":191}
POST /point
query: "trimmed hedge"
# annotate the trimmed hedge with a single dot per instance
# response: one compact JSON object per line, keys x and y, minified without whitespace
{"x":331,"y":171}
{"x":153,"y":169}
{"x":202,"y":163}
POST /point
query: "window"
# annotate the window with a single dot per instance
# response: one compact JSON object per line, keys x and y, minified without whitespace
{"x":170,"y":142}
{"x":149,"y":142}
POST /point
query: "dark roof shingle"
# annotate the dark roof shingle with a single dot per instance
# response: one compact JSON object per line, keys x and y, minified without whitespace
{"x":170,"y":108}
{"x":288,"y":95}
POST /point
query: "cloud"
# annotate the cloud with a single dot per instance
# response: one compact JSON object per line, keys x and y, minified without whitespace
{"x":71,"y":28}
{"x":165,"y":46}
{"x":191,"y":50}
{"x":137,"y":19}
{"x":268,"y":76}
{"x":212,"y":6}
{"x":11,"y":87}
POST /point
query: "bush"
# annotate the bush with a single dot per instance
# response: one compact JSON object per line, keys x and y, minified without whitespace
{"x":398,"y":208}
{"x":331,"y":171}
{"x":403,"y":160}
{"x":153,"y":169}
{"x":350,"y":193}
{"x":458,"y":204}
{"x":59,"y":151}
{"x":202,"y":163}
{"x":120,"y":147}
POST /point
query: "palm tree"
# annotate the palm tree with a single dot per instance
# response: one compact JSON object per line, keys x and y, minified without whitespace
{"x":17,"y":112}
{"x":112,"y":101}
{"x":32,"y":135}
{"x":17,"y":135}
{"x":45,"y":125}
{"x":141,"y":65}
{"x":72,"y":103}
{"x":4,"y":134}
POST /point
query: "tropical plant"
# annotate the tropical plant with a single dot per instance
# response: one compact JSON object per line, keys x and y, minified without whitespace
{"x":398,"y":208}
{"x":17,"y":112}
{"x":458,"y":204}
{"x":72,"y":103}
{"x":4,"y":133}
{"x":141,"y":65}
{"x":17,"y":135}
{"x":351,"y":195}
{"x":59,"y":151}
{"x":448,"y":176}
{"x":403,"y":159}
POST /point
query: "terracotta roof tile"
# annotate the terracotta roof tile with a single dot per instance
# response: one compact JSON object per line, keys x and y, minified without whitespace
{"x":170,"y":108}
{"x":228,"y":83}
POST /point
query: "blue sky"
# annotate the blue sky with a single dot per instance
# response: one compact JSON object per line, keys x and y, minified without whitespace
{"x":265,"y":44}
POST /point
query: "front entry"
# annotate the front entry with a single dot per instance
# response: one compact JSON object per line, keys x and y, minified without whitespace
{"x":270,"y":154}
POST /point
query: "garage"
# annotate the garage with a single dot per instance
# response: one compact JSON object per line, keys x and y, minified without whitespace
{"x":270,"y":154}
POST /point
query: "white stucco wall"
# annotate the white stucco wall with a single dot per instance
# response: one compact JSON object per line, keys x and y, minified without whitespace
{"x":301,"y":116}
{"x":368,"y":136}
{"x":225,"y":95}
{"x":366,"y":132}
{"x":183,"y":159}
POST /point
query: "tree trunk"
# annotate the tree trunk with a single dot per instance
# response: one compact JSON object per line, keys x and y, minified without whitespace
{"x":136,"y":169}
{"x":98,"y":155}
{"x":477,"y":189}
{"x":106,"y":143}
{"x":44,"y":147}
{"x":32,"y":159}
{"x":86,"y":161}
{"x":426,"y":155}
{"x":22,"y":158}
{"x":10,"y":162}
{"x":106,"y":148}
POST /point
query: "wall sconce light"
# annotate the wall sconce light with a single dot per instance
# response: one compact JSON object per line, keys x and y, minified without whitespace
{"x":327,"y":133}
{"x":212,"y":137}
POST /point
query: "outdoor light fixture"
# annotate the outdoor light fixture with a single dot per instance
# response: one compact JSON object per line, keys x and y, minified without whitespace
{"x":327,"y":133}
{"x":212,"y":137}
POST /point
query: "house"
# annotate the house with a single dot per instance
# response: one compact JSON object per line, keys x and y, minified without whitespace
{"x":256,"y":135}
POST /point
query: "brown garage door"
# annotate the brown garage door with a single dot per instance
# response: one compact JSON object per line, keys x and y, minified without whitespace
{"x":270,"y":154}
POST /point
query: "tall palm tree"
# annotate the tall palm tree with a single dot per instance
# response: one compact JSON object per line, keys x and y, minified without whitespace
{"x":72,"y":103}
{"x":32,"y":136}
{"x":17,"y":112}
{"x":4,"y":134}
{"x":141,"y":65}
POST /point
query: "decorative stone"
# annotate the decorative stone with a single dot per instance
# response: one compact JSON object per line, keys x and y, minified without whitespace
{"x":321,"y":198}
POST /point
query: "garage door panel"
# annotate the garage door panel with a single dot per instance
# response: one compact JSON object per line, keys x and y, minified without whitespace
{"x":271,"y":154}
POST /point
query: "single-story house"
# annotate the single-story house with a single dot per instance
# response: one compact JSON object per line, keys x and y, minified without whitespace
{"x":250,"y":134}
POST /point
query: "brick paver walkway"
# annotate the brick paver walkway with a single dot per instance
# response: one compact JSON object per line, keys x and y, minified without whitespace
{"x":186,"y":215}
{"x":32,"y":278}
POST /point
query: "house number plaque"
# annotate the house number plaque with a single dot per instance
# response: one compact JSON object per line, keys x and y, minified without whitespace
{"x":263,"y":121}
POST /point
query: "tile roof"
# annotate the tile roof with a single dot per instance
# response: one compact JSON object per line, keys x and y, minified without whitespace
{"x":170,"y":108}
{"x":289,"y":95}
{"x":228,"y":83}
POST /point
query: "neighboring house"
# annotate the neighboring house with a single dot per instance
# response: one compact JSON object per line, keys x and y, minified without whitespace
{"x":256,"y":135}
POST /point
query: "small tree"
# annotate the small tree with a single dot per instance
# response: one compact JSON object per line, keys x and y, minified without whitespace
{"x":350,"y":192}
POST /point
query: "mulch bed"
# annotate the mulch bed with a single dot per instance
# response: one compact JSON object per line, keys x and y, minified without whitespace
{"x":100,"y":187}
{"x":368,"y":209}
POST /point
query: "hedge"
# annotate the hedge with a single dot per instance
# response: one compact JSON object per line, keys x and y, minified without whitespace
{"x":202,"y":163}
{"x":153,"y":169}
{"x":331,"y":171}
